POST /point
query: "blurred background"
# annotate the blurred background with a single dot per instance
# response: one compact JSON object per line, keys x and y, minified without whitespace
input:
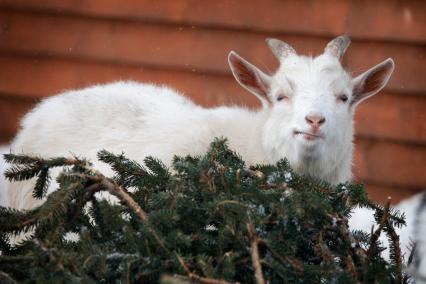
{"x":49,"y":46}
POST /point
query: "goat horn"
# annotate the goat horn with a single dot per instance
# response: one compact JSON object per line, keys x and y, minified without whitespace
{"x":279,"y":48}
{"x":338,"y":46}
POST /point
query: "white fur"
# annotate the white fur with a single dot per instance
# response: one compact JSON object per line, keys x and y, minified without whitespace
{"x":144,"y":119}
{"x":419,"y":268}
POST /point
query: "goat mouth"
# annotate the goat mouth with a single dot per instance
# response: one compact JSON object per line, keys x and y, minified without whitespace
{"x":308,"y":136}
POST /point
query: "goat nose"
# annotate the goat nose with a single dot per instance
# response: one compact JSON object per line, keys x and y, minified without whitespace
{"x":315,"y":120}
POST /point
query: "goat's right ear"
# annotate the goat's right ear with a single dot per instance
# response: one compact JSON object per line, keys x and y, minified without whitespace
{"x":372,"y":81}
{"x":250,"y":77}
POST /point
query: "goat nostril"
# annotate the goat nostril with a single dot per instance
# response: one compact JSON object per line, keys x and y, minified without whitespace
{"x":315,"y":120}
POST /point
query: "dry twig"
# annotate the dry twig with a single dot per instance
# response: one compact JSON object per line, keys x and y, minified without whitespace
{"x":376,"y":234}
{"x":255,"y":254}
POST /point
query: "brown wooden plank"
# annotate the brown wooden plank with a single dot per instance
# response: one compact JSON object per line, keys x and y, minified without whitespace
{"x":378,"y":162}
{"x":380,"y":193}
{"x":206,"y":50}
{"x":390,"y":164}
{"x":389,"y":20}
{"x":11,"y":111}
{"x":37,"y":77}
{"x":386,"y":116}
{"x":393,"y":116}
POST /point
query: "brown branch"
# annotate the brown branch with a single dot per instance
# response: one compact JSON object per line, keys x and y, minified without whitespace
{"x":350,"y":266}
{"x":322,"y":249}
{"x":238,"y":178}
{"x":207,"y":178}
{"x":195,"y":277}
{"x":376,"y":234}
{"x":222,"y":177}
{"x":255,"y":254}
{"x":119,"y":192}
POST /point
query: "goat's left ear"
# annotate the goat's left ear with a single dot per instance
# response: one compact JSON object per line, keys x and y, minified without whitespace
{"x":250,"y":77}
{"x":372,"y":81}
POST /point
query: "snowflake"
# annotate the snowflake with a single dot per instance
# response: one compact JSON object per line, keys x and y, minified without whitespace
{"x":210,"y":227}
{"x":288,"y":177}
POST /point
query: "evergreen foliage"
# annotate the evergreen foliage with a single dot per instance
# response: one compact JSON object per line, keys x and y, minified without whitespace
{"x":208,"y":219}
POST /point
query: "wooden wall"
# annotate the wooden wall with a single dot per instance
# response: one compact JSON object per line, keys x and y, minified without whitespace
{"x":51,"y":45}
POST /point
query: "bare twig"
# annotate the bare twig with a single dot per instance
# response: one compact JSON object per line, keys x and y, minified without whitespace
{"x":376,"y":234}
{"x":118,"y":191}
{"x":255,"y":254}
{"x":374,"y":237}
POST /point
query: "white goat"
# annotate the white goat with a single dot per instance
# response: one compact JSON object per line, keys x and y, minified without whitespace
{"x":307,"y":117}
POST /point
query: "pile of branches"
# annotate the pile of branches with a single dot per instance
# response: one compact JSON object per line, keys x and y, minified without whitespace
{"x":208,"y":219}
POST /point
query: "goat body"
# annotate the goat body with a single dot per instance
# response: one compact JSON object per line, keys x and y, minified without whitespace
{"x":307,"y":117}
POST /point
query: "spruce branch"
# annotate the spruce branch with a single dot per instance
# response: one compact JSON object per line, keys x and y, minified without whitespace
{"x":395,"y":250}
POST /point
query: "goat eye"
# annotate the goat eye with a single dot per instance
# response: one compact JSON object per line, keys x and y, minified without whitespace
{"x":343,"y":98}
{"x":281,"y":97}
